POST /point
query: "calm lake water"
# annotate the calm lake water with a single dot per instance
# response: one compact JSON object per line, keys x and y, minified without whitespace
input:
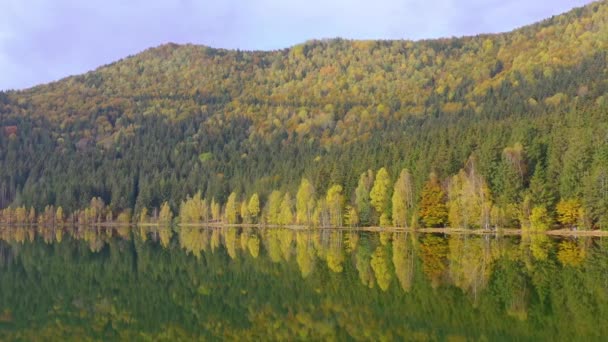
{"x":279,"y":284}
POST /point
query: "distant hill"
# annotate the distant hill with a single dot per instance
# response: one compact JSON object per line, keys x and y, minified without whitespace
{"x":174,"y":119}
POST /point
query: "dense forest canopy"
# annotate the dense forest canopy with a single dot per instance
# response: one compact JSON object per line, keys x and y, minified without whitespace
{"x":514,"y":125}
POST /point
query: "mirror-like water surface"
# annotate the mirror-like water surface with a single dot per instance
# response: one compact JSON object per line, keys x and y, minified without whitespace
{"x":280,"y":284}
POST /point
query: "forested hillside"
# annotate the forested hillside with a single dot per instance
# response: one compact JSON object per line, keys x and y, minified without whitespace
{"x":488,"y":131}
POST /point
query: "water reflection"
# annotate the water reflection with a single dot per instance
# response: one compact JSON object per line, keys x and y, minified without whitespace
{"x":248,"y":283}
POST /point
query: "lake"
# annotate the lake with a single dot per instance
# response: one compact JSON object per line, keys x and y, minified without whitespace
{"x":148,"y":283}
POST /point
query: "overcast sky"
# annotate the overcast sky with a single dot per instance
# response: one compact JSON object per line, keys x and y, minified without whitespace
{"x":45,"y":40}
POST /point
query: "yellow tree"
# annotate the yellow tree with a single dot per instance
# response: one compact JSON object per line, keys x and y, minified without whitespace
{"x":165,"y":215}
{"x":245,"y":212}
{"x":232,"y":210}
{"x":305,"y":203}
{"x":351,"y":218}
{"x":402,"y":198}
{"x":143,"y":215}
{"x":273,"y":207}
{"x":433,"y":211}
{"x":32,"y":216}
{"x":320,"y":216}
{"x":97,"y":208}
{"x":469,"y":202}
{"x":203,"y":209}
{"x":20,"y":214}
{"x":568,"y":212}
{"x":59,"y":215}
{"x":335,"y":203}
{"x":215,"y":210}
{"x":254,"y":207}
{"x":379,"y":194}
{"x":540,"y":219}
{"x":285,"y":213}
{"x":193,"y":209}
{"x":188,"y":213}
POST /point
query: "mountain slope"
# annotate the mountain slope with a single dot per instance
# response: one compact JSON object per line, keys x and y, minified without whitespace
{"x":321,"y":83}
{"x":176,"y":119}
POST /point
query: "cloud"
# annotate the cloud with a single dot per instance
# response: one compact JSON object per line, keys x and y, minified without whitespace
{"x":44,"y":40}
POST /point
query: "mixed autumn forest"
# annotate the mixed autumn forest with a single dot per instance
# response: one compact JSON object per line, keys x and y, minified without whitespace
{"x":492,"y":131}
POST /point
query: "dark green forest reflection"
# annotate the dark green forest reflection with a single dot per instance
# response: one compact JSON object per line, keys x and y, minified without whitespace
{"x":280,"y":284}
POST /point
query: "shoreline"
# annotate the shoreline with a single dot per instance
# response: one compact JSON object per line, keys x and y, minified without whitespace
{"x":375,"y":229}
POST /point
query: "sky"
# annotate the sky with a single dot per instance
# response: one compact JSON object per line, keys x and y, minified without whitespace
{"x":46,"y":40}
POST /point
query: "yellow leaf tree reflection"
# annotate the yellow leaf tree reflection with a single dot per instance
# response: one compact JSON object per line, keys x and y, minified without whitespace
{"x":403,"y":260}
{"x":433,"y":252}
{"x":253,"y":245}
{"x":305,"y":253}
{"x":380,"y":265}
